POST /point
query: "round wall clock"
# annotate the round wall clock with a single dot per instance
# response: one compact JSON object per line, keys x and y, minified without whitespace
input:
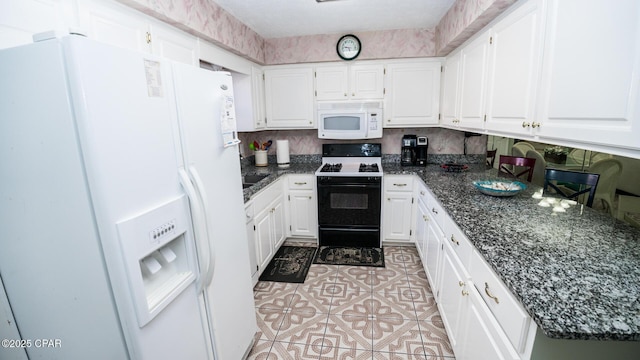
{"x":349,"y":47}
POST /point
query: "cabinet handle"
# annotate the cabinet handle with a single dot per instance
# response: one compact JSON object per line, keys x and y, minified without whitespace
{"x":525,"y":124}
{"x":301,"y":183}
{"x":454,"y":240}
{"x":486,"y":290}
{"x":148,"y":37}
{"x":535,"y":124}
{"x":434,"y":211}
{"x":399,"y":184}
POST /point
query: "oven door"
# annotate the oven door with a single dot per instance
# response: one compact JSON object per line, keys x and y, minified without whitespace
{"x":349,"y":210}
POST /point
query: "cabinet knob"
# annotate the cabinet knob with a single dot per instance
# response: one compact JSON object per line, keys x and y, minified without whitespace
{"x":453,"y":240}
{"x":434,"y":211}
{"x":422,"y":193}
{"x":486,"y":290}
{"x":148,"y":37}
{"x":354,"y":94}
{"x":425,"y":217}
{"x":525,"y":124}
{"x":461,"y":283}
{"x":345,"y":94}
{"x":465,"y":292}
{"x":535,"y":124}
{"x":310,"y":197}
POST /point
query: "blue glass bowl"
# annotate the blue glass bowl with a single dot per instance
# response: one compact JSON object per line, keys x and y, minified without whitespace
{"x":499,"y":188}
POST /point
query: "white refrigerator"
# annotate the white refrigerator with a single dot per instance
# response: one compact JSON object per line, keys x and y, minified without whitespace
{"x":122,"y":232}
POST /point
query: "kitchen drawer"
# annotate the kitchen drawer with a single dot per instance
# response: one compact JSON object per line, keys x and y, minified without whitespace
{"x":435,"y":211}
{"x":301,"y":182}
{"x":267,"y":195}
{"x":459,"y":242}
{"x":398,"y":182}
{"x":506,"y":309}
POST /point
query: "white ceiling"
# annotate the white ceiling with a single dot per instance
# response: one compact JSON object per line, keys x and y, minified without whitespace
{"x":285,"y":18}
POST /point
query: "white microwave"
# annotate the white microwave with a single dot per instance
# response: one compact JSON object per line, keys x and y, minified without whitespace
{"x":350,"y":120}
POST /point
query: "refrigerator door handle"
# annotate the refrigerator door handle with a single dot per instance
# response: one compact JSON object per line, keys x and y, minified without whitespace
{"x":199,"y":224}
{"x":208,"y":275}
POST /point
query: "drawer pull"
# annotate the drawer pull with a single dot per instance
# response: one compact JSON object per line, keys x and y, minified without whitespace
{"x":453,"y":240}
{"x":301,"y":183}
{"x":434,"y":211}
{"x":486,"y":290}
{"x":399,"y":184}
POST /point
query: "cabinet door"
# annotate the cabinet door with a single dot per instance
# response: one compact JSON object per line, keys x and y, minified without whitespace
{"x":277,"y":218}
{"x":452,"y":293}
{"x":481,"y":336}
{"x":304,"y":218}
{"x":514,"y":63}
{"x":433,"y":247}
{"x":331,"y":83}
{"x":590,"y":73}
{"x":397,"y":215}
{"x":450,"y":91}
{"x":366,"y":81}
{"x":264,"y":237}
{"x":472,"y":85}
{"x":422,"y":220}
{"x":20,"y":19}
{"x":174,"y":44}
{"x":413,"y":97}
{"x":257,"y":98}
{"x":116,"y":25}
{"x":289,"y":98}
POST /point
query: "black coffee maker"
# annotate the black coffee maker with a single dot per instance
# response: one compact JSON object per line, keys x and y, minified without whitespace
{"x":421,"y":150}
{"x":408,"y":150}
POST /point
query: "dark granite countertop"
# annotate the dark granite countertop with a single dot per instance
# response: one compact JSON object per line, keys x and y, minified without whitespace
{"x":576,"y":273}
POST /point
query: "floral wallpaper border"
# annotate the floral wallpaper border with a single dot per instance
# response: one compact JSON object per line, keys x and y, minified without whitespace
{"x":206,"y":19}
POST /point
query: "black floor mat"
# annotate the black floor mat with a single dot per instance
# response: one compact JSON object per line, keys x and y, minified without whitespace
{"x":290,"y":264}
{"x":359,"y":256}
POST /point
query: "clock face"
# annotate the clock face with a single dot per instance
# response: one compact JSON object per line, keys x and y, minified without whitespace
{"x":348,"y":47}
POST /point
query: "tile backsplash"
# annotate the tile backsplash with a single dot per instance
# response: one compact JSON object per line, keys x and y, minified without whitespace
{"x":306,"y":142}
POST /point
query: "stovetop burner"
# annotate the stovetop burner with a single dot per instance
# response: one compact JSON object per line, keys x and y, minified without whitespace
{"x":368,"y":168}
{"x":331,"y":167}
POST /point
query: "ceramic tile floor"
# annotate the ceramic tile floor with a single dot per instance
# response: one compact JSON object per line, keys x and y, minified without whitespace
{"x":352,"y":312}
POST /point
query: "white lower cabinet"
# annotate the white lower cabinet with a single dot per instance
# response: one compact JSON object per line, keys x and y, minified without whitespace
{"x":269,"y":223}
{"x":303,"y":205}
{"x":398,"y":208}
{"x":251,"y":226}
{"x":477,"y":329}
{"x":451,"y":296}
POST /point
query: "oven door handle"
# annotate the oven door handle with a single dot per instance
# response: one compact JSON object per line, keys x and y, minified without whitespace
{"x":370,"y":186}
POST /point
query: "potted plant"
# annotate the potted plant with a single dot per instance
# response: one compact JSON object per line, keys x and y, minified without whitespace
{"x":556,"y":154}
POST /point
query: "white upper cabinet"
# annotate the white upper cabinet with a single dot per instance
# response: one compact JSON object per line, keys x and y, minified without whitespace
{"x":515,"y":45}
{"x":289,"y":97}
{"x":450,"y":105}
{"x":413,"y":94}
{"x":591,"y":72}
{"x":21,"y":19}
{"x":118,"y":25}
{"x":473,"y":65}
{"x":349,"y":82}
